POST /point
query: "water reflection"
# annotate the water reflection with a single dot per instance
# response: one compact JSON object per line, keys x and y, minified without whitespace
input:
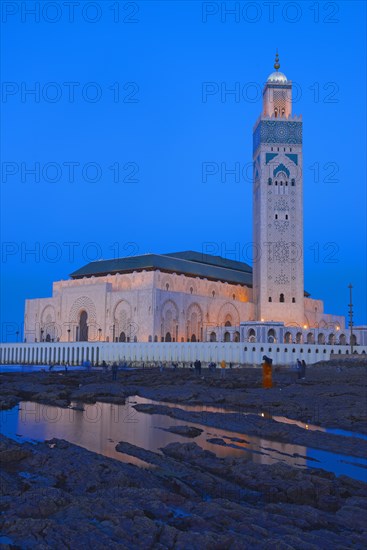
{"x":101,"y":426}
{"x":37,"y":368}
{"x":241,"y":411}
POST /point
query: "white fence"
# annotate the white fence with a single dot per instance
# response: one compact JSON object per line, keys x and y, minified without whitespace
{"x":238,"y":353}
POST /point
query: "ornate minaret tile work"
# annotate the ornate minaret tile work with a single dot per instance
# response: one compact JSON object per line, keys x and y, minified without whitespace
{"x":278,"y":205}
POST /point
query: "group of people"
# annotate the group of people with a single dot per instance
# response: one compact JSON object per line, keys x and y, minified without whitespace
{"x":212,"y":367}
{"x":114,"y":368}
{"x":300,"y":367}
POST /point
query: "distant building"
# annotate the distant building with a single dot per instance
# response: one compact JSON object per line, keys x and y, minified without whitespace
{"x":189,"y":296}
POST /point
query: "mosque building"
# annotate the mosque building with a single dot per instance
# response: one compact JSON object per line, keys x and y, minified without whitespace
{"x":195,"y":297}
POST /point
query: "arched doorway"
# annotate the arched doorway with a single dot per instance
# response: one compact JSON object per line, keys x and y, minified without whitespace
{"x":321,"y":338}
{"x":48,"y":338}
{"x":288,"y":338}
{"x":83,"y":327}
{"x":122,"y":337}
{"x":168,"y":337}
{"x":236,"y":336}
{"x":271,"y":336}
{"x":213,"y":337}
{"x":252,"y":335}
{"x":299,"y":338}
{"x":227,"y":337}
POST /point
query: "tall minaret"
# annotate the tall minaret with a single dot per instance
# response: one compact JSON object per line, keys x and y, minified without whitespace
{"x":278,"y":206}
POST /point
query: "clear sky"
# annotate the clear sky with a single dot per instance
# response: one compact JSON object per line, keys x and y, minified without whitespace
{"x":130,"y":104}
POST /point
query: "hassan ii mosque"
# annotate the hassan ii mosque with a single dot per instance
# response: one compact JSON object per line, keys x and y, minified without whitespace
{"x":196,"y":297}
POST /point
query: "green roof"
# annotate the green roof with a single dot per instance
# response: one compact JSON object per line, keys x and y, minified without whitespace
{"x":189,"y":263}
{"x":192,"y":264}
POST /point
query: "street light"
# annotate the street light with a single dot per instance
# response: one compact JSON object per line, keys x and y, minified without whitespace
{"x":69,"y":334}
{"x":350,"y":286}
{"x":42,"y":331}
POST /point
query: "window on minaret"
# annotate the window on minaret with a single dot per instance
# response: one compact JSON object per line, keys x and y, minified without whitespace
{"x":269,"y":181}
{"x":276,"y":216}
{"x":281,"y":298}
{"x":293,"y":182}
{"x":283,"y":113}
{"x":293,"y":300}
{"x":270,"y":300}
{"x":286,"y":216}
{"x":276,"y":112}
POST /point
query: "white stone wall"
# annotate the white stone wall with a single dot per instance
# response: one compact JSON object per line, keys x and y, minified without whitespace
{"x":237,"y":353}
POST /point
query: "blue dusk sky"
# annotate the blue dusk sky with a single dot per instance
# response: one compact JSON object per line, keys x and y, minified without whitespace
{"x":139,"y":113}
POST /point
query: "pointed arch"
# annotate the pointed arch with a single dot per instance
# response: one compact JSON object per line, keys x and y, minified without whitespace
{"x":228,"y":313}
{"x":194,"y":322}
{"x":169,"y":320}
{"x":122,"y":320}
{"x":82,"y":303}
{"x":48,"y":323}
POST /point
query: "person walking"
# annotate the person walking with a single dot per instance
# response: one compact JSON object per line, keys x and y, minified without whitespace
{"x":303,"y":369}
{"x":299,"y":369}
{"x":223,"y":366}
{"x":196,"y":366}
{"x":114,"y":371}
{"x":267,"y":372}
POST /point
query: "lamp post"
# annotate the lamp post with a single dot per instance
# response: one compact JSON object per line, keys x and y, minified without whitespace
{"x":69,"y":334}
{"x":42,"y":331}
{"x":350,"y":286}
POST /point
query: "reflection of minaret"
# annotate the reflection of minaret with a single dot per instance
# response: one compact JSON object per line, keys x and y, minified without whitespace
{"x":278,"y":205}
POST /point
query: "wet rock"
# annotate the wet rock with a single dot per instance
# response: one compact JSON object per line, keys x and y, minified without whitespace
{"x":217,"y":441}
{"x":8,"y":402}
{"x":186,"y":451}
{"x":187,"y":431}
{"x":13,"y":455}
{"x":62,"y":496}
{"x":41,"y":503}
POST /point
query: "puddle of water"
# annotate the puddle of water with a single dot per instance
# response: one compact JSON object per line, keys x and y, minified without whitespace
{"x":240,"y":411}
{"x":190,"y":408}
{"x":101,"y":426}
{"x":36,"y":368}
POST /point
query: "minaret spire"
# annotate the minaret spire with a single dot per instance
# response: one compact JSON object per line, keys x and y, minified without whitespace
{"x":276,"y":64}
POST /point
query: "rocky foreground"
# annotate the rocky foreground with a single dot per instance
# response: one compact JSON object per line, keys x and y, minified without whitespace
{"x":58,"y":495}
